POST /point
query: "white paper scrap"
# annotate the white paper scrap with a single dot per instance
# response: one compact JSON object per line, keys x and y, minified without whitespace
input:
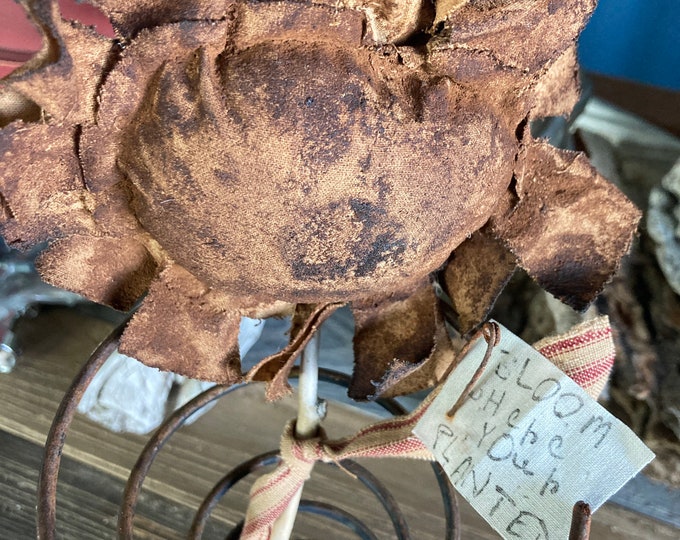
{"x":528,"y":443}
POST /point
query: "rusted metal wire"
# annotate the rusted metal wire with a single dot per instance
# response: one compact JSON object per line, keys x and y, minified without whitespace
{"x":225,"y":484}
{"x":47,"y":489}
{"x":492,"y":335}
{"x":580,"y":522}
{"x":46,"y":515}
{"x":383,"y":495}
{"x":327,"y":511}
{"x":338,"y":515}
{"x":154,"y":446}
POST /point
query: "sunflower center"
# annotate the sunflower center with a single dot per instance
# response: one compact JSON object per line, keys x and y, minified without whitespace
{"x":301,"y":171}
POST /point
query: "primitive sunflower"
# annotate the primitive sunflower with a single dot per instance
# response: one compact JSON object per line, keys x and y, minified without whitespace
{"x":257,"y":158}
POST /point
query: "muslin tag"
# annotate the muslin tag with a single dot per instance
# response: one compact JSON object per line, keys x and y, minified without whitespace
{"x":528,"y":442}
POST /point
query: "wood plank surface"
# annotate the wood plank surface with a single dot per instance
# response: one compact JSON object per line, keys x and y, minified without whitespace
{"x":241,"y":425}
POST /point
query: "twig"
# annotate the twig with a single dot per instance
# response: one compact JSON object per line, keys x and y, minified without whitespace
{"x":306,"y":426}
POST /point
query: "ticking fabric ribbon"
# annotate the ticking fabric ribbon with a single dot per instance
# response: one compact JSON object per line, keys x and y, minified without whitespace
{"x":586,"y":354}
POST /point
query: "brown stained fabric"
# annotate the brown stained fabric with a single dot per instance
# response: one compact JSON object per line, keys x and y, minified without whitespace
{"x":390,"y":20}
{"x":403,"y":377}
{"x":67,"y":88}
{"x":127,"y":86}
{"x":477,"y":273}
{"x":181,"y":328}
{"x":52,"y":207}
{"x":523,"y":35}
{"x":111,"y":271}
{"x":571,"y":227}
{"x":557,"y":90}
{"x":276,"y":368}
{"x":131,"y":16}
{"x":394,"y":21}
{"x":343,"y":178}
{"x":283,"y":21}
{"x":393,"y":332}
{"x":286,"y":153}
{"x":507,"y":47}
{"x":445,"y":8}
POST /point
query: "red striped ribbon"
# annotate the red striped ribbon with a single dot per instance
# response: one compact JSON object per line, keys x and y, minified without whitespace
{"x":586,"y":354}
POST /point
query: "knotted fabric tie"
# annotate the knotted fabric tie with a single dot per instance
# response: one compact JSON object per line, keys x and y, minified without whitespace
{"x":586,"y":354}
{"x":271,"y":493}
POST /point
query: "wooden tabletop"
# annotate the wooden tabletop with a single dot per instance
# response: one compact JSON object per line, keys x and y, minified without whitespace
{"x":97,"y":462}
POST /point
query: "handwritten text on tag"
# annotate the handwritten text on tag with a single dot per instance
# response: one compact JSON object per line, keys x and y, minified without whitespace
{"x":528,"y":442}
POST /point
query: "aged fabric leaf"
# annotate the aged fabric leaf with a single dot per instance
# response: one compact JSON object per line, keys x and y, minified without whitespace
{"x":52,"y":207}
{"x":571,"y":227}
{"x":111,"y":271}
{"x":557,"y":90}
{"x":398,"y":333}
{"x":477,"y":273}
{"x":404,"y":378}
{"x":183,"y":327}
{"x":66,"y":88}
{"x":276,"y":368}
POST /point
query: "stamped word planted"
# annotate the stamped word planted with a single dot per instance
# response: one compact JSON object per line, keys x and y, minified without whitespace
{"x":528,"y":442}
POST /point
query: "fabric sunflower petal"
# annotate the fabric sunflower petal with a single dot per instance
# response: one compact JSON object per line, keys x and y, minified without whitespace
{"x":126,"y":88}
{"x":405,"y":378}
{"x":55,"y":206}
{"x":107,"y":270}
{"x":131,"y":16}
{"x":557,"y":90}
{"x":67,"y":87}
{"x":393,"y":333}
{"x":393,"y":21}
{"x":492,"y":44}
{"x":275,"y":369}
{"x":183,"y":327}
{"x":475,"y":275}
{"x":505,"y":32}
{"x":570,"y":227}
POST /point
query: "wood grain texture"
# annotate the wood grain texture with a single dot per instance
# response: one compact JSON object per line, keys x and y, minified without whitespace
{"x":241,"y":425}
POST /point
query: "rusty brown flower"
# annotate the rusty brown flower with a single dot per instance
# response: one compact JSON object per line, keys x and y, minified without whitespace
{"x":260,"y":158}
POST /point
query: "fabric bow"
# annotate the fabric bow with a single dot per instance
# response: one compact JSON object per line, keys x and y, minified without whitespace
{"x":586,"y":354}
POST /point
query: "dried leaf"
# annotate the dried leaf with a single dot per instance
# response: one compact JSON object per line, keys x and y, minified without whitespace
{"x":477,"y":273}
{"x":276,"y":368}
{"x":111,"y":271}
{"x":571,"y":227}
{"x":182,"y":327}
